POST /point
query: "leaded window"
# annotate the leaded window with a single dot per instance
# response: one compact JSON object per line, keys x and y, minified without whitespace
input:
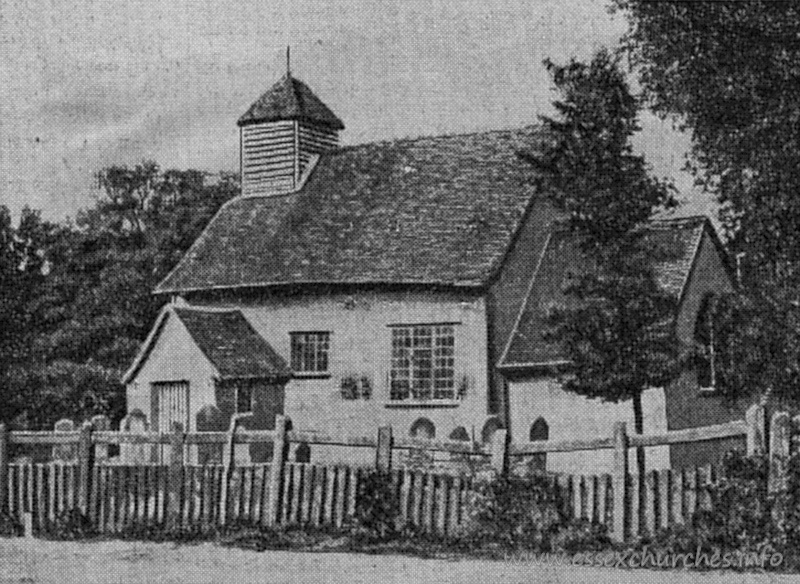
{"x":310,"y":352}
{"x":423,"y":362}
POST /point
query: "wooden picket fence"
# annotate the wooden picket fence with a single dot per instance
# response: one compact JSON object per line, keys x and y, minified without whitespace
{"x":118,"y":497}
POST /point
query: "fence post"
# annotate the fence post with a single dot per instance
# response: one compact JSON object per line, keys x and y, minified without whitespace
{"x":175,"y":475}
{"x":779,"y":431}
{"x":500,"y":451}
{"x":276,"y":470}
{"x":755,"y":420}
{"x":383,"y":453}
{"x":3,"y":467}
{"x":85,"y":463}
{"x":229,"y":463}
{"x":620,"y":480}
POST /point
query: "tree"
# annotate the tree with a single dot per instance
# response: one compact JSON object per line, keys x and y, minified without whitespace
{"x":22,"y":271}
{"x":93,"y":305}
{"x":619,"y":333}
{"x":729,"y":72}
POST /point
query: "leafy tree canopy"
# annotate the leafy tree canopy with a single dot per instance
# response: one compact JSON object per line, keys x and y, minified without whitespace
{"x":618,"y":332}
{"x":728,"y":72}
{"x":83,"y":289}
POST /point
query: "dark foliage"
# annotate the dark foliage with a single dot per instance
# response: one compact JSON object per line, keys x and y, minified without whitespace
{"x":10,"y":526}
{"x":604,"y":188}
{"x":77,"y":296}
{"x":618,"y":329}
{"x":728,"y":73}
{"x":377,"y":507}
{"x":740,"y":521}
{"x":519,"y":512}
{"x":580,"y":535}
{"x":70,"y":524}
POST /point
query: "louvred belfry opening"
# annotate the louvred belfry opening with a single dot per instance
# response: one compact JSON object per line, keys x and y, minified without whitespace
{"x":281,"y":136}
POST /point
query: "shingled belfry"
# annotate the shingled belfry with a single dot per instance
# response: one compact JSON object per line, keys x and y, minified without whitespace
{"x":281,"y":137}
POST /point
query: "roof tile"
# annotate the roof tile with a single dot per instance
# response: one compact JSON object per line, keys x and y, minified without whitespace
{"x":290,"y":99}
{"x":563,"y":257}
{"x":438,"y":210}
{"x":232,"y":345}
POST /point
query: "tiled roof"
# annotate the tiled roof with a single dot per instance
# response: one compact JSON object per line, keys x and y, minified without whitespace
{"x":232,"y":345}
{"x":440,"y":210}
{"x":290,"y":99}
{"x":677,"y":241}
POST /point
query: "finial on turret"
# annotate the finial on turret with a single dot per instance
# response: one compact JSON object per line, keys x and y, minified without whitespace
{"x":288,"y":61}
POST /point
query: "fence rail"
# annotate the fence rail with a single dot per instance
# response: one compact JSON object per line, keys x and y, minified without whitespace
{"x":118,"y":496}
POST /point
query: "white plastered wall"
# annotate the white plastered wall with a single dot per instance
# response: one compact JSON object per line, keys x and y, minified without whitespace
{"x":174,"y":357}
{"x":360,"y":345}
{"x":572,"y":417}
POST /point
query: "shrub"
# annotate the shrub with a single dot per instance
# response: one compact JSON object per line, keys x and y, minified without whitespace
{"x":70,"y":524}
{"x":516,"y":512}
{"x":740,"y":519}
{"x":10,"y":526}
{"x":740,"y":512}
{"x":580,"y":535}
{"x":418,"y":459}
{"x":790,"y":529}
{"x":377,"y":507}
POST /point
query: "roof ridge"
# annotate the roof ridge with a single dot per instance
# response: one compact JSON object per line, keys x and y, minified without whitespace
{"x":561,"y":225}
{"x":684,"y":219}
{"x":411,"y":139}
{"x":205,"y":309}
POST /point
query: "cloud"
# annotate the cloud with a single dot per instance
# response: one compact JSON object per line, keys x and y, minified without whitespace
{"x":98,"y":83}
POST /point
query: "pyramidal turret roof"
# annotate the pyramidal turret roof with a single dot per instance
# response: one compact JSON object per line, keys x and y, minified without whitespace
{"x":290,"y":99}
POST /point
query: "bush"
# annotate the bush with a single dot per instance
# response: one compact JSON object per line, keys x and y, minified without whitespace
{"x":741,"y":517}
{"x":70,"y":524}
{"x":741,"y":509}
{"x":377,"y":507}
{"x":10,"y":526}
{"x":580,"y":535}
{"x":516,"y":512}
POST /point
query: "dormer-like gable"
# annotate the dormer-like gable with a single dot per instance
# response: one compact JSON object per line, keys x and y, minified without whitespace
{"x":684,"y":243}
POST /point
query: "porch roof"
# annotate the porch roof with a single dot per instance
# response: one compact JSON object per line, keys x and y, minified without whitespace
{"x":232,"y":345}
{"x":226,"y":339}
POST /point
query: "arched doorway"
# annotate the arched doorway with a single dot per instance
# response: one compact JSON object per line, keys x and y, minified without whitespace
{"x":539,"y":432}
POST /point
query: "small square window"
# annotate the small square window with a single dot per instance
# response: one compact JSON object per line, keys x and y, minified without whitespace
{"x":310,"y":352}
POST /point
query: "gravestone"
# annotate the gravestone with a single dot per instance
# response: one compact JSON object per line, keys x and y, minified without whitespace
{"x":302,"y":453}
{"x":101,"y":423}
{"x":210,"y":419}
{"x":135,"y":423}
{"x":65,"y":453}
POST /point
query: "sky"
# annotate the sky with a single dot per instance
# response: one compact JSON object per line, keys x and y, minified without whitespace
{"x":91,"y":83}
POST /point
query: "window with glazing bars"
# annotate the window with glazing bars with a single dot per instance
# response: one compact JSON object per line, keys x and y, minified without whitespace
{"x":423,"y":362}
{"x":310,"y":352}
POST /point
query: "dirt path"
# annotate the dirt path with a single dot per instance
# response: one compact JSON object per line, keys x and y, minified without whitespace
{"x":24,"y":561}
